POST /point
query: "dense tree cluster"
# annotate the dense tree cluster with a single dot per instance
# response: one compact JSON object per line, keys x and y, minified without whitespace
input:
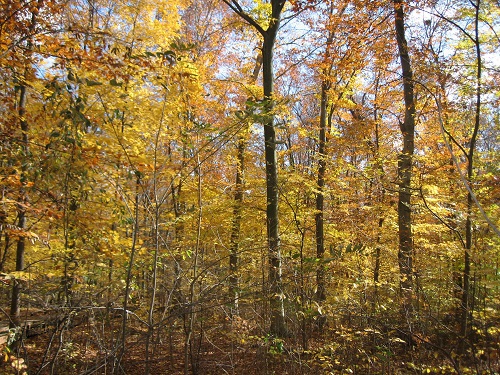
{"x":314,"y":182}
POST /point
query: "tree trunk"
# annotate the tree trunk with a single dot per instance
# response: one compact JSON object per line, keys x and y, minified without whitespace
{"x":128,"y":280}
{"x":275,"y":283}
{"x":190,"y":318}
{"x":405,"y":253}
{"x":238,"y":206}
{"x":320,"y":198}
{"x":325,"y":121}
{"x":275,"y":290}
{"x":466,"y":316}
{"x":179,"y":207}
{"x":236,"y":226}
{"x":23,"y":195}
{"x":15,"y":306}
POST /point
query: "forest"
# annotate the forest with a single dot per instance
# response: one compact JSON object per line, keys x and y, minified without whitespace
{"x":249,"y":187}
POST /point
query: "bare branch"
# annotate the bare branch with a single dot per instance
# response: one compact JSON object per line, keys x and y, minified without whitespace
{"x":236,"y":8}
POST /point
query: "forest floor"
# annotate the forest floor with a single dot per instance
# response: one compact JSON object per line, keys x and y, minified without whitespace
{"x":89,"y":346}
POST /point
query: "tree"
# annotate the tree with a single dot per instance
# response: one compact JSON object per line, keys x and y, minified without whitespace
{"x":238,"y":200}
{"x":131,"y":145}
{"x":268,"y":28}
{"x":21,"y":92}
{"x":473,"y":27}
{"x":405,"y":253}
{"x":324,"y":129}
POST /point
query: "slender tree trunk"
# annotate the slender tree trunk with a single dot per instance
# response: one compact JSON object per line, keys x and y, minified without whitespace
{"x":275,"y":290}
{"x":320,"y":197}
{"x":156,"y":233}
{"x":276,"y":295}
{"x":68,"y":228}
{"x":325,"y":121}
{"x":128,"y":281}
{"x":21,"y":209}
{"x":6,"y":247}
{"x":178,"y":298}
{"x":238,"y":206}
{"x":191,"y":316}
{"x":405,"y":253}
{"x":179,"y":207}
{"x":154,"y":276}
{"x":23,"y":195}
{"x":236,"y":225}
{"x":109,"y":294}
{"x":15,"y":307}
{"x":3,"y":234}
{"x":376,"y":270}
{"x":379,"y":198}
{"x":466,"y":316}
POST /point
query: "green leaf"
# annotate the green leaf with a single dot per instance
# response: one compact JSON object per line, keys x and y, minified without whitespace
{"x":115,"y":83}
{"x":72,"y":76}
{"x":92,"y":83}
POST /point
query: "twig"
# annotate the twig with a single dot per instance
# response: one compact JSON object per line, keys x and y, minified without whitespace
{"x":440,"y":219}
